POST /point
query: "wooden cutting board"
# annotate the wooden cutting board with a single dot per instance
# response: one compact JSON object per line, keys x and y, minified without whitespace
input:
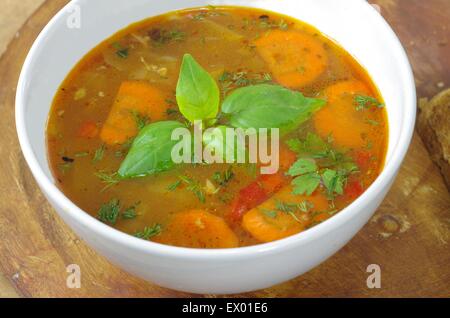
{"x":409,"y":237}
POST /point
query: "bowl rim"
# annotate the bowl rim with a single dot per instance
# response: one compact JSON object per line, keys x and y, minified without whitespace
{"x":113,"y":235}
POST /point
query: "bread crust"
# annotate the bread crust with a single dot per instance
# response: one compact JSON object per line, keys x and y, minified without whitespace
{"x":433,"y":126}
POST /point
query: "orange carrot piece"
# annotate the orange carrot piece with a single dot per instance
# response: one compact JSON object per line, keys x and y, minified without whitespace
{"x":295,"y":59}
{"x":88,"y":129}
{"x":340,"y":118}
{"x":133,"y":98}
{"x":267,"y":228}
{"x":198,"y":229}
{"x":263,"y":187}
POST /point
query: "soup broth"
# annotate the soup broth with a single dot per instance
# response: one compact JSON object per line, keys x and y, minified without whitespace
{"x":129,"y":82}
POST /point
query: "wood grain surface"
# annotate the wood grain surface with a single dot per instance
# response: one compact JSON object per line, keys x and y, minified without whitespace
{"x":409,"y":237}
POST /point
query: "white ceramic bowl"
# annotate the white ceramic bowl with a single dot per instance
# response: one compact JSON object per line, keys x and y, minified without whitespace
{"x":355,"y":24}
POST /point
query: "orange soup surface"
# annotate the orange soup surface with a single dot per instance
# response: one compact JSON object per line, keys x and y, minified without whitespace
{"x":109,"y":129}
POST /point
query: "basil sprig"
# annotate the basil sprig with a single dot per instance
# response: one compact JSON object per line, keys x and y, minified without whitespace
{"x":198,"y":98}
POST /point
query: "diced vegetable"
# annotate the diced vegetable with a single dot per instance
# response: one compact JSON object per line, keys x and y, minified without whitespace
{"x":133,"y":98}
{"x":260,"y":190}
{"x":353,"y":189}
{"x":340,"y":118}
{"x":198,"y":229}
{"x":283,"y":215}
{"x":362,"y":158}
{"x":295,"y":59}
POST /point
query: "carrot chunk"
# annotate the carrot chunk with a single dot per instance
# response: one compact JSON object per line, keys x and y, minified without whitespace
{"x":296,"y":59}
{"x":340,"y":118}
{"x":268,"y":223}
{"x":134,"y":98}
{"x":198,"y":229}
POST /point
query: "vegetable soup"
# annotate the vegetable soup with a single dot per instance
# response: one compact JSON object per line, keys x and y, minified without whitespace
{"x":110,"y":130}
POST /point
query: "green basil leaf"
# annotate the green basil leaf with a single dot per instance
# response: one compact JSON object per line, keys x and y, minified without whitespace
{"x":198,"y":95}
{"x":215,"y":139}
{"x":269,"y":106}
{"x":302,"y":166}
{"x":306,"y":184}
{"x":151,"y":150}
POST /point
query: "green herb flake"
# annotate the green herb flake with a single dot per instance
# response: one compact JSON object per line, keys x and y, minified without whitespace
{"x":99,"y":153}
{"x":333,"y":181}
{"x":270,"y":213}
{"x":171,"y":111}
{"x":266,"y":23}
{"x":316,"y":148}
{"x":123,"y":53}
{"x":365,"y":102}
{"x":305,"y":206}
{"x":149,"y":232}
{"x":109,"y":212}
{"x":174,"y":186}
{"x":306,"y":184}
{"x":110,"y":179}
{"x":231,"y":80}
{"x":130,"y":213}
{"x":222,"y":179}
{"x":162,"y":36}
{"x":302,"y":166}
{"x":289,"y":208}
{"x":141,"y":120}
{"x":195,"y":187}
{"x":372,"y":122}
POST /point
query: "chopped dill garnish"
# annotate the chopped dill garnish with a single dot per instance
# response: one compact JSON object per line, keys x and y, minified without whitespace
{"x":270,"y":213}
{"x":149,"y":232}
{"x":174,"y":185}
{"x":130,"y":213}
{"x":109,"y":212}
{"x":141,"y":120}
{"x":222,"y":179}
{"x":121,"y":51}
{"x":110,"y":179}
{"x":365,"y":102}
{"x":195,"y":187}
{"x":99,"y":153}
{"x":231,"y":80}
{"x":162,"y":36}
